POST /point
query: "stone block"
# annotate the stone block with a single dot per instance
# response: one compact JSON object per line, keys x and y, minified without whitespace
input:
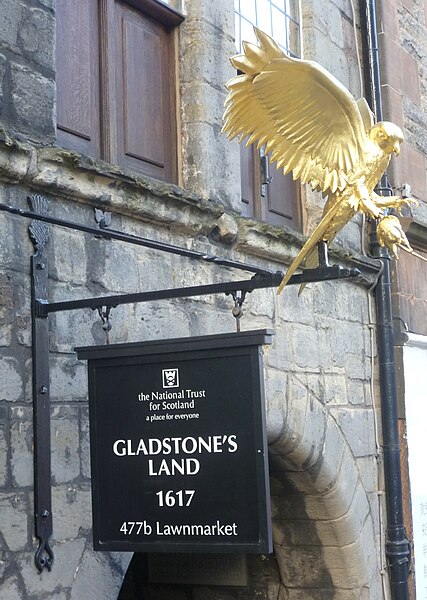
{"x":387,"y":20}
{"x":324,"y":299}
{"x":296,"y":309}
{"x":69,"y":251}
{"x":351,"y":302}
{"x":73,"y":328}
{"x":95,"y":578}
{"x":4,"y":429}
{"x":14,"y":513}
{"x":65,"y":444}
{"x":357,"y":425}
{"x":344,"y":338}
{"x":393,"y":105}
{"x":368,"y":472}
{"x":410,"y":168}
{"x":317,"y":46}
{"x":356,"y":392}
{"x":10,"y":589}
{"x":210,"y":164}
{"x":21,"y":438}
{"x":280,"y":355}
{"x":66,"y":567}
{"x":21,"y":298}
{"x":185,"y":273}
{"x":335,"y":389}
{"x":2,"y":83}
{"x":12,"y":387}
{"x":286,"y":504}
{"x":154,"y":274}
{"x":6,"y":336}
{"x":357,"y":366}
{"x":48,"y":3}
{"x":121,"y":560}
{"x":10,"y":15}
{"x":314,"y":382}
{"x":308,"y":350}
{"x":308,"y":451}
{"x":296,"y":532}
{"x":347,"y":528}
{"x":296,"y":416}
{"x":203,"y":103}
{"x":84,"y":442}
{"x":114,"y":268}
{"x":32,"y":99}
{"x":325,"y":473}
{"x":262,"y":303}
{"x":327,"y":594}
{"x":275,"y":385}
{"x":326,"y":19}
{"x":68,"y":378}
{"x":346,"y":570}
{"x":36,"y":36}
{"x":72,"y":508}
{"x":218,"y":14}
{"x":391,"y":56}
{"x":204,"y":65}
{"x":302,"y":565}
{"x":166,"y":319}
{"x":337,"y":500}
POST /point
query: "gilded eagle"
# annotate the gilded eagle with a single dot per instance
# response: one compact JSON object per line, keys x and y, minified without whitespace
{"x":311,"y":125}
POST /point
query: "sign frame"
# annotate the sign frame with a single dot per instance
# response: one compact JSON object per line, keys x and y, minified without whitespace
{"x":246,"y":344}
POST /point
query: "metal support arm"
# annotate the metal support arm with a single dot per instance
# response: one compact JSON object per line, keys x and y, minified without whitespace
{"x":41,"y":308}
{"x":39,"y":234}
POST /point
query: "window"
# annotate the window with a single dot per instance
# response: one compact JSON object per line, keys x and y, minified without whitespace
{"x":278,"y":201}
{"x":115,"y":82}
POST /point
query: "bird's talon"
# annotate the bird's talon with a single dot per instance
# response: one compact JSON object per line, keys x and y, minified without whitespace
{"x":408,"y":203}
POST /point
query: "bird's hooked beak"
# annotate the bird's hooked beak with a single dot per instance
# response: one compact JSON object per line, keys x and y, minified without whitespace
{"x":396,"y":148}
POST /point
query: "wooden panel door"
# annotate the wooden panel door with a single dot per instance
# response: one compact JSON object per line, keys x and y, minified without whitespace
{"x":77,"y":80}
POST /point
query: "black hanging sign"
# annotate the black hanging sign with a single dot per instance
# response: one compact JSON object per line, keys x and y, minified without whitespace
{"x":178,"y":445}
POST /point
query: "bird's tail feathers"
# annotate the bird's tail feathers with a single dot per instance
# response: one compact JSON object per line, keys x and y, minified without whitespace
{"x":310,"y":245}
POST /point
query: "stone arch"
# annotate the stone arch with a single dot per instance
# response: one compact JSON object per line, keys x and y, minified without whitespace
{"x":323,"y":529}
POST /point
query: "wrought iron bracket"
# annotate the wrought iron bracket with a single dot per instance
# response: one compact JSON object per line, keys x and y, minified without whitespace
{"x":39,"y":234}
{"x":41,"y":308}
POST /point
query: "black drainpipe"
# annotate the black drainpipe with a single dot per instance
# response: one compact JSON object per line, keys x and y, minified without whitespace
{"x":397,"y":543}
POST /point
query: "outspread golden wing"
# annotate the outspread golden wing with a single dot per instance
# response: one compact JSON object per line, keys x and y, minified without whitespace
{"x":309,"y":122}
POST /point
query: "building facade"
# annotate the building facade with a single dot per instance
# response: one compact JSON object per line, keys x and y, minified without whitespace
{"x":117,"y":106}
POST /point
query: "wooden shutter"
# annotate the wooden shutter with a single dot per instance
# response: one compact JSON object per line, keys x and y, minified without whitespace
{"x":248,"y":185}
{"x":281,"y":205}
{"x":282,"y":201}
{"x":77,"y":80}
{"x":144,"y":102}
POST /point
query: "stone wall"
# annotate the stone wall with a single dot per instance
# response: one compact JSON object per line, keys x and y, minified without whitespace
{"x":27,"y":68}
{"x":320,"y":417}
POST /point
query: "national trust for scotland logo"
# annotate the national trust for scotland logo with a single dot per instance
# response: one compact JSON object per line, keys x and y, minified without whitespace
{"x":170,"y":378}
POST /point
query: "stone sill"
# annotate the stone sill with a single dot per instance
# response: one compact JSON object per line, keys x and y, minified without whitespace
{"x":56,"y":171}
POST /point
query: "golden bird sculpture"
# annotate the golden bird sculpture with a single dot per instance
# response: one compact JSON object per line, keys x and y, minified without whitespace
{"x":311,"y":125}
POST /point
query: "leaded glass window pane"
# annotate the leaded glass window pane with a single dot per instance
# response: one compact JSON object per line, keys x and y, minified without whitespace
{"x":278,"y":18}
